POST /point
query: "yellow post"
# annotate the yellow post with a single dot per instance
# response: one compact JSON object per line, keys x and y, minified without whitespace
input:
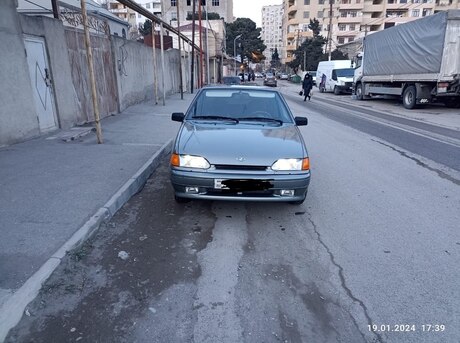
{"x":89,"y":55}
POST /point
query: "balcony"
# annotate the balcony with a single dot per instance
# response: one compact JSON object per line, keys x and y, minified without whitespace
{"x":373,"y":8}
{"x":351,"y":20}
{"x":119,"y":10}
{"x":351,"y":6}
{"x":292,"y":10}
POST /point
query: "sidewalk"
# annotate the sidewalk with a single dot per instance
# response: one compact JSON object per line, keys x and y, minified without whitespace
{"x":54,"y":193}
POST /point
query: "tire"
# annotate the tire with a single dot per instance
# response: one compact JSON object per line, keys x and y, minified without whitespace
{"x":181,"y":200}
{"x":336,"y":90}
{"x":298,"y":202}
{"x":359,"y":91}
{"x":410,"y":97}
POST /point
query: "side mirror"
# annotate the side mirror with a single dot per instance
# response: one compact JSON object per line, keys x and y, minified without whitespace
{"x":301,"y":121}
{"x":178,"y":116}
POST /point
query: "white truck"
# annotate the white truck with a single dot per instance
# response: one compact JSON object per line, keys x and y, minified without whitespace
{"x":335,"y":76}
{"x":418,"y":61}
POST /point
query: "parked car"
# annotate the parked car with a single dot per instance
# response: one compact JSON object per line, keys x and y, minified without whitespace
{"x":284,"y":76}
{"x":258,"y":75}
{"x":231,"y":80}
{"x":270,"y":80}
{"x":239,"y":143}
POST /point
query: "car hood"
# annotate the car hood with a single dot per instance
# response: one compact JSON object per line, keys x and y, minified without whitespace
{"x":245,"y":144}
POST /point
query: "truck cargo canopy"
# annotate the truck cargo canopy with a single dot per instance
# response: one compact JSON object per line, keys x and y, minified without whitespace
{"x":411,"y":48}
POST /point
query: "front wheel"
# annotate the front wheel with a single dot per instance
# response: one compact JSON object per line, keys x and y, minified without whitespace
{"x":336,"y":90}
{"x":181,"y":200}
{"x":410,"y":97}
{"x":359,"y":91}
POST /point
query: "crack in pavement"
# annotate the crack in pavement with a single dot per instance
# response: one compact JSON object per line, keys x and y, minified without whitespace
{"x":440,"y":173}
{"x":343,"y":282}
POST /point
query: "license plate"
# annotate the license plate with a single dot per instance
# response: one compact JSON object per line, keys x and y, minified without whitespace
{"x":218,"y":184}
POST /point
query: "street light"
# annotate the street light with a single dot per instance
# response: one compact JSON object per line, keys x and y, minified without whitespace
{"x":234,"y":51}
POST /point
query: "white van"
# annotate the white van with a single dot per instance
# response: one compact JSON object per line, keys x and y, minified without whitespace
{"x":335,"y":76}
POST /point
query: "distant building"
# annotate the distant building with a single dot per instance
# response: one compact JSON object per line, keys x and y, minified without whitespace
{"x":272,"y":20}
{"x":351,"y":19}
{"x":222,"y":7}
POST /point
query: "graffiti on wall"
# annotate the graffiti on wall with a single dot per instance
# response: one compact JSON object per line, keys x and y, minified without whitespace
{"x":76,"y":19}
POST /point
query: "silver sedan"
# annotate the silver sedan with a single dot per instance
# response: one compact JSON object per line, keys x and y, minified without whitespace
{"x":239,"y":143}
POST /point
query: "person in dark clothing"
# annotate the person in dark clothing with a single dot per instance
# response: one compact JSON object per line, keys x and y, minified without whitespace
{"x":307,"y":85}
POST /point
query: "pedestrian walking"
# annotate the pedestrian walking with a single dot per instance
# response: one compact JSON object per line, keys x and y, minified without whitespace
{"x":307,"y":85}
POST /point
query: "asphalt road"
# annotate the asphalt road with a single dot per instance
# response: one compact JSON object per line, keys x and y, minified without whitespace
{"x":376,"y":245}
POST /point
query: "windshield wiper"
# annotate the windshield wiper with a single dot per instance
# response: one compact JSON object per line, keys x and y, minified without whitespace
{"x":262,"y":119}
{"x":216,"y":118}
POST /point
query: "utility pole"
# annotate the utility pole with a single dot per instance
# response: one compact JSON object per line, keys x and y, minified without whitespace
{"x":162,"y":53}
{"x":201,"y":44}
{"x":192,"y":71}
{"x":207,"y":45}
{"x":155,"y":69}
{"x":181,"y":85}
{"x":92,"y":80}
{"x":329,"y":31}
{"x":56,"y":10}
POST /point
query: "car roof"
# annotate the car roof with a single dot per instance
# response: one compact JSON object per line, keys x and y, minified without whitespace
{"x":242,"y":87}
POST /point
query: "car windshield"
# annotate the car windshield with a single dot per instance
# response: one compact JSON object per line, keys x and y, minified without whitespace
{"x":269,"y":75}
{"x":347,"y":72}
{"x":243,"y":105}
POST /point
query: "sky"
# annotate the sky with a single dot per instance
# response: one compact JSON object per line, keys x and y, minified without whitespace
{"x":252,"y":9}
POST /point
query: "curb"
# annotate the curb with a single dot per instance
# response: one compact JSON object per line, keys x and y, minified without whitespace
{"x":13,"y":308}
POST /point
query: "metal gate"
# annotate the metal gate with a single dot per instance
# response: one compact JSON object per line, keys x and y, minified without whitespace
{"x":37,"y":61}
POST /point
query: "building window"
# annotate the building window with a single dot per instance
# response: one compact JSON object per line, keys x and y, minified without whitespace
{"x":306,"y":14}
{"x":306,"y":2}
{"x":173,"y":3}
{"x":320,"y":2}
{"x":352,"y":27}
{"x":189,"y":2}
{"x":320,"y":14}
{"x":426,"y":12}
{"x":341,"y":40}
{"x":403,"y":1}
{"x":139,"y":16}
{"x":351,"y":39}
{"x":416,"y":13}
{"x":215,"y":2}
{"x":342,"y":27}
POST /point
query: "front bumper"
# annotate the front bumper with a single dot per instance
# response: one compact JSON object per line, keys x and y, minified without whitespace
{"x":263,"y":187}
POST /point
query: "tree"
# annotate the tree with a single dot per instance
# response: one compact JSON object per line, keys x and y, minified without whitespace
{"x":338,"y":55}
{"x":146,"y":28}
{"x":275,"y":59}
{"x":211,"y":16}
{"x":310,"y":52}
{"x":249,"y":45}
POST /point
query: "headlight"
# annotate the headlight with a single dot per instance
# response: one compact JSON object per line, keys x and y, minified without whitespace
{"x":189,"y":161}
{"x":292,"y":164}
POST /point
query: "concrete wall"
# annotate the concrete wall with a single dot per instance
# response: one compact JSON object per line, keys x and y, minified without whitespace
{"x":18,"y":119}
{"x":124,"y":74}
{"x":134,"y":64}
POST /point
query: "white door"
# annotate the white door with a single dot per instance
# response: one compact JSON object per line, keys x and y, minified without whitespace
{"x":41,"y":82}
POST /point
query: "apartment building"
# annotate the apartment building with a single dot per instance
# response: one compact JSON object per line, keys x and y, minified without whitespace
{"x":133,"y":18}
{"x":272,"y":31}
{"x":351,"y":19}
{"x":223,"y":7}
